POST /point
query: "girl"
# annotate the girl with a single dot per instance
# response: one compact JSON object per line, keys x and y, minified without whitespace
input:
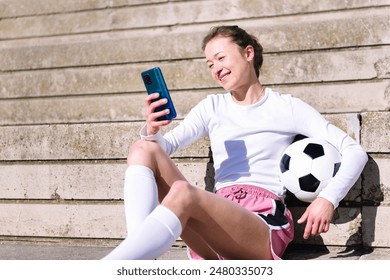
{"x":249,"y":127}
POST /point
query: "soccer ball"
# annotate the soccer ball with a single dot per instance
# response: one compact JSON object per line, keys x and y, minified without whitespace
{"x":307,"y":166}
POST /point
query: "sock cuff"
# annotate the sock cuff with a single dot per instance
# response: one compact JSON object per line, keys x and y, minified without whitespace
{"x":169,"y":219}
{"x":139,"y":170}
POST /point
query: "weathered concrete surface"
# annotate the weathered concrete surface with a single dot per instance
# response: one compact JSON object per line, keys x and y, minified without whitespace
{"x":376,"y":183}
{"x":327,"y":98}
{"x":16,"y":8}
{"x":238,"y":8}
{"x":47,"y":219}
{"x":307,"y":67}
{"x":79,"y":141}
{"x":344,"y":229}
{"x":375,"y":226}
{"x":29,"y":251}
{"x":375,"y":132}
{"x":131,"y":17}
{"x":80,"y":180}
{"x":282,"y":35}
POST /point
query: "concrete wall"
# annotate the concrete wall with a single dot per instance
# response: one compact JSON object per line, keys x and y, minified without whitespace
{"x":71,"y":101}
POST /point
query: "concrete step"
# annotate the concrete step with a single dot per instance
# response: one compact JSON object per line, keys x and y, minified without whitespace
{"x":128,"y":107}
{"x":29,"y":19}
{"x":28,"y":251}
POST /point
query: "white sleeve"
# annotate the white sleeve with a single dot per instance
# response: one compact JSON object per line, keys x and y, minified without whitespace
{"x":155,"y":137}
{"x":311,"y":123}
{"x":353,"y":160}
{"x":190,"y":129}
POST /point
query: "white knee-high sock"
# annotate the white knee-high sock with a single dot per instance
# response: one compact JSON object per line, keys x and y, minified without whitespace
{"x":154,"y":236}
{"x":140,"y":195}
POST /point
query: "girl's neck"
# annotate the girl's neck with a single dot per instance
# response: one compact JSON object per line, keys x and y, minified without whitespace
{"x":249,"y":95}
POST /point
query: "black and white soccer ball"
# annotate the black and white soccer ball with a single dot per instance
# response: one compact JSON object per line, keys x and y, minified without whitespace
{"x":307,"y":166}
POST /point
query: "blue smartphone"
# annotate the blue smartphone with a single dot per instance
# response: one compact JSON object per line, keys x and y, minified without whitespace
{"x":154,"y":82}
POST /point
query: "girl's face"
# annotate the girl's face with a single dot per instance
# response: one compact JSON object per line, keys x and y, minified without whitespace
{"x":230,"y":65}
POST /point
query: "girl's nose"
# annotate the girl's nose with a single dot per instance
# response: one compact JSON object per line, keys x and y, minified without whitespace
{"x":217,"y":69}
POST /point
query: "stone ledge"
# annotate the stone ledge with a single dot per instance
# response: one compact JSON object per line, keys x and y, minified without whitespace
{"x":310,"y":252}
{"x":38,"y":251}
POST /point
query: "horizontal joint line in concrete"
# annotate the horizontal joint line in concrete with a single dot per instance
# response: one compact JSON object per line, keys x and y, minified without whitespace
{"x":62,"y":201}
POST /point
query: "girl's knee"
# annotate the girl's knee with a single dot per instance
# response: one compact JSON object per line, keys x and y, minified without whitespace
{"x":143,"y":145}
{"x":141,"y":150}
{"x":180,"y":193}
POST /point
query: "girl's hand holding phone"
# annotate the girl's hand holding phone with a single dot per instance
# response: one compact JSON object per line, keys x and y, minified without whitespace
{"x":155,"y":119}
{"x":159,"y":106}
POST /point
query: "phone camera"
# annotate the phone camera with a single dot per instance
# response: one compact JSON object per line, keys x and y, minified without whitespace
{"x":147,"y":80}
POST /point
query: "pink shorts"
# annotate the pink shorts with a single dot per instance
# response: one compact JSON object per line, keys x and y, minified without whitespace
{"x":268,"y":207}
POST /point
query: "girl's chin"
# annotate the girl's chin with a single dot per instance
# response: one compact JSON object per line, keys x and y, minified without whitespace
{"x":225,"y":86}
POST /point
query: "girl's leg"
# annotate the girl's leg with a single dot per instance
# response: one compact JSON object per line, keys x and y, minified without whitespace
{"x":150,"y":154}
{"x":140,"y":187}
{"x":215,"y":224}
{"x":151,"y":229}
{"x":226,"y":228}
{"x":153,"y":237}
{"x":211,"y":224}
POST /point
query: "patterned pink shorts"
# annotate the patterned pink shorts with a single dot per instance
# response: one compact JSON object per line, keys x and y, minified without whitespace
{"x":268,"y":207}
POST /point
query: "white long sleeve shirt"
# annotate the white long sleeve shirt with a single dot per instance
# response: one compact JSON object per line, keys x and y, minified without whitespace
{"x":247,"y":141}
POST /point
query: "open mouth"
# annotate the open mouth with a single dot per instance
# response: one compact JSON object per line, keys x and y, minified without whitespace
{"x":221,"y":78}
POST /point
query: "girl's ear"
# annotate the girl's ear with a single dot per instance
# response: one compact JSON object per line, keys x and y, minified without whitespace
{"x":249,"y":53}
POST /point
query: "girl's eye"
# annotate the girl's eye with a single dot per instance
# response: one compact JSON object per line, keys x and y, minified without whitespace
{"x":211,"y":66}
{"x":221,"y":58}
